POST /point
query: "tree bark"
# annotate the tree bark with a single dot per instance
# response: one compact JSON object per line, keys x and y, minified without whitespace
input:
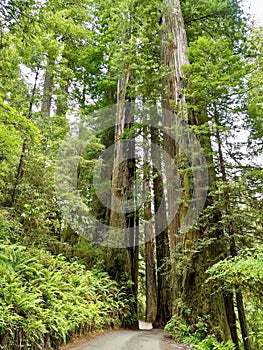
{"x":231,"y":317}
{"x":164,"y":300}
{"x":243,"y":321}
{"x":124,"y":261}
{"x":120,"y":174}
{"x":189,"y":285}
{"x":151,"y":291}
{"x":62,"y":99}
{"x":173,"y":56}
{"x":196,"y":293}
{"x":47,"y":90}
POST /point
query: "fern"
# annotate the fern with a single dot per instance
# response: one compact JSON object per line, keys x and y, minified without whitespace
{"x":46,"y":297}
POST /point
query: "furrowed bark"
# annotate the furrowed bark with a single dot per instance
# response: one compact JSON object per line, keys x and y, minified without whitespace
{"x":173,"y":57}
{"x":124,"y":260}
{"x":151,"y":293}
{"x":164,"y":300}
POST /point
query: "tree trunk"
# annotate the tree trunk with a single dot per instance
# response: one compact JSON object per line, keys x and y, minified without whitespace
{"x":132,"y":221}
{"x":120,"y":174}
{"x":164,"y":301}
{"x":124,"y":261}
{"x":196,"y":294}
{"x":189,"y":285}
{"x":47,"y":90}
{"x":231,"y":318}
{"x":62,"y":99}
{"x":25,"y":144}
{"x":243,"y":321}
{"x":151,"y":292}
{"x":173,"y":56}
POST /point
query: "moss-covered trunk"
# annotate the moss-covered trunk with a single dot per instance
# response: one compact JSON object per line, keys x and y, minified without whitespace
{"x":123,"y":262}
{"x":193,"y":297}
{"x":164,"y":300}
{"x":150,"y":266}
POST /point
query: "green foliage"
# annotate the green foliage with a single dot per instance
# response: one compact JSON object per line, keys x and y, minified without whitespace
{"x":210,"y":343}
{"x":254,"y":96}
{"x":244,"y":270}
{"x":13,"y":120}
{"x":196,"y":335}
{"x":216,"y":69}
{"x":254,"y":308}
{"x":45,"y":299}
{"x":85,"y":47}
{"x":214,"y":18}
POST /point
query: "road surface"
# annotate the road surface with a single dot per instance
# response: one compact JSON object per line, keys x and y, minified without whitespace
{"x":130,"y":340}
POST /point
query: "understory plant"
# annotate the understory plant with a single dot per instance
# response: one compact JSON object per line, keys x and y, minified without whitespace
{"x":46,"y":300}
{"x":196,"y":335}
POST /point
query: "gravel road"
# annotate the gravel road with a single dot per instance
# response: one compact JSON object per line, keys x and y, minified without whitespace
{"x":130,"y":340}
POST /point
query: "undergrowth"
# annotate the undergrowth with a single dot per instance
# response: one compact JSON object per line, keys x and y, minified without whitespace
{"x":196,"y":335}
{"x":46,"y":300}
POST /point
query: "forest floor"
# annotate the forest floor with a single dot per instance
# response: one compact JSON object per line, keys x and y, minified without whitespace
{"x":154,"y":339}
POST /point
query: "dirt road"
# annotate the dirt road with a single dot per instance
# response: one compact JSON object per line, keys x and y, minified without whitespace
{"x":130,"y":340}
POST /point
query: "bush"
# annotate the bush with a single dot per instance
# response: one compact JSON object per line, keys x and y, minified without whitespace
{"x":196,"y":335}
{"x":45,"y":300}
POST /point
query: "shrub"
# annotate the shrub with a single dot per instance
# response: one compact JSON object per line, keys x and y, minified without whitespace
{"x":196,"y":335}
{"x":46,"y":300}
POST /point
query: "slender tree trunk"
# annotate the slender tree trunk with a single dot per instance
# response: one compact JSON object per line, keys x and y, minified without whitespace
{"x":231,"y":317}
{"x":243,"y":321}
{"x":25,"y":144}
{"x":122,"y":175}
{"x":233,"y":248}
{"x":62,"y":99}
{"x":47,"y":90}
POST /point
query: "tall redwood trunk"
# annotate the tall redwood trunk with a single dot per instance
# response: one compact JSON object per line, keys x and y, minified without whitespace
{"x":151,"y":291}
{"x":173,"y":56}
{"x":124,"y":261}
{"x":188,"y":285}
{"x":164,"y":300}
